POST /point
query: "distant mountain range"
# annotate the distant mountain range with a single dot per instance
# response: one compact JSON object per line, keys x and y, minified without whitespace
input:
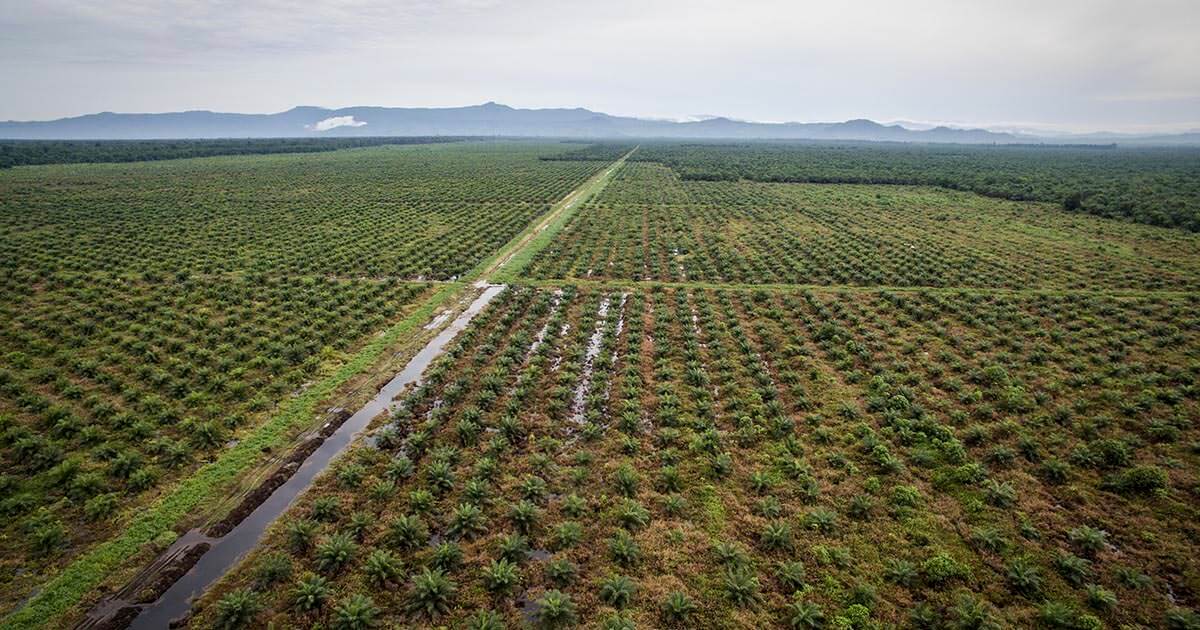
{"x":493,"y":119}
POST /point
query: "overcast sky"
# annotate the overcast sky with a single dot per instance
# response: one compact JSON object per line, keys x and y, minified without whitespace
{"x":1131,"y":65}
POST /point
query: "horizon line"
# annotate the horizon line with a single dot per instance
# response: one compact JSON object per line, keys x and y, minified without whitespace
{"x":1023,"y":128}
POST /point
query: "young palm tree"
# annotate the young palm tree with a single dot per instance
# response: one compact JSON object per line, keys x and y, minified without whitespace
{"x":677,"y":608}
{"x":501,"y":576}
{"x":555,"y":610}
{"x":311,"y":593}
{"x":381,"y":568}
{"x":237,"y":609}
{"x":430,"y":594}
{"x":357,"y":612}
{"x":335,"y":553}
{"x":617,"y":591}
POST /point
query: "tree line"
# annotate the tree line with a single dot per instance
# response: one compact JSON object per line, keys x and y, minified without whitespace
{"x":33,"y":152}
{"x":1153,"y":185}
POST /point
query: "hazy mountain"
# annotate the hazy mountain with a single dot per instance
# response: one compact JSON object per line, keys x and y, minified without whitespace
{"x":489,"y":119}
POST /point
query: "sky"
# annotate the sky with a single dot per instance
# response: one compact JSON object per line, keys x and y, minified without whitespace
{"x":1071,"y":65}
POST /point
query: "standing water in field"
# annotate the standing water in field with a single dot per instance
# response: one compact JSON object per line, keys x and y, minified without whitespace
{"x":224,"y":552}
{"x":593,"y":349}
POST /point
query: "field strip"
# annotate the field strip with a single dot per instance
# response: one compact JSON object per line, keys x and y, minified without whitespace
{"x":209,"y":484}
{"x":843,"y":288}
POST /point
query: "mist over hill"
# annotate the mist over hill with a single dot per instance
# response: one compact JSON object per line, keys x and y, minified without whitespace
{"x":493,"y":119}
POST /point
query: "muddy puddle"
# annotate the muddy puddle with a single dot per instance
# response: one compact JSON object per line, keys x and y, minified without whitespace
{"x":593,"y":349}
{"x":578,"y":411}
{"x":616,"y":355}
{"x":540,"y":338}
{"x":197,"y":559}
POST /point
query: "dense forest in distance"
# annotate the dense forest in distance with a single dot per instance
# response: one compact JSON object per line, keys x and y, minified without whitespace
{"x":33,"y":152}
{"x":1154,"y":185}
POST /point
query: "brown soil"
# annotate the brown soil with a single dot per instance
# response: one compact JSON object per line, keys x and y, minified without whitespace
{"x":119,"y":621}
{"x":156,"y":583}
{"x":285,"y":471}
{"x":170,"y":573}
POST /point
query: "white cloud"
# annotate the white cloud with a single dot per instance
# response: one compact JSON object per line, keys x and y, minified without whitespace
{"x":334,"y":122}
